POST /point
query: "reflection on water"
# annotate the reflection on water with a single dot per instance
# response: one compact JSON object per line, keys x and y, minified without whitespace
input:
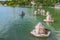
{"x":16,"y":27}
{"x":22,"y":17}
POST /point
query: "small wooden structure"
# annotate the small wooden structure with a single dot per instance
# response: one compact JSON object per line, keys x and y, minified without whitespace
{"x":40,"y":31}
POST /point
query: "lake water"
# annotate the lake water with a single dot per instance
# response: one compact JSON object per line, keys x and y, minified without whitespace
{"x":15,"y":27}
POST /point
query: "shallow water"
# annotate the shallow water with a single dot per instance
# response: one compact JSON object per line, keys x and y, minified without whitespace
{"x":15,"y":27}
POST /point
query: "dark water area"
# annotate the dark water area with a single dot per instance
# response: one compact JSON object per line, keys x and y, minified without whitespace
{"x":16,"y":27}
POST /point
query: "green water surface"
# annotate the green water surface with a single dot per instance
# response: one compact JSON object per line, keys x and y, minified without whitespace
{"x":15,"y":27}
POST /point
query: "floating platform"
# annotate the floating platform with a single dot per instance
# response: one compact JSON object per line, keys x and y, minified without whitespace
{"x":48,"y":20}
{"x":40,"y":35}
